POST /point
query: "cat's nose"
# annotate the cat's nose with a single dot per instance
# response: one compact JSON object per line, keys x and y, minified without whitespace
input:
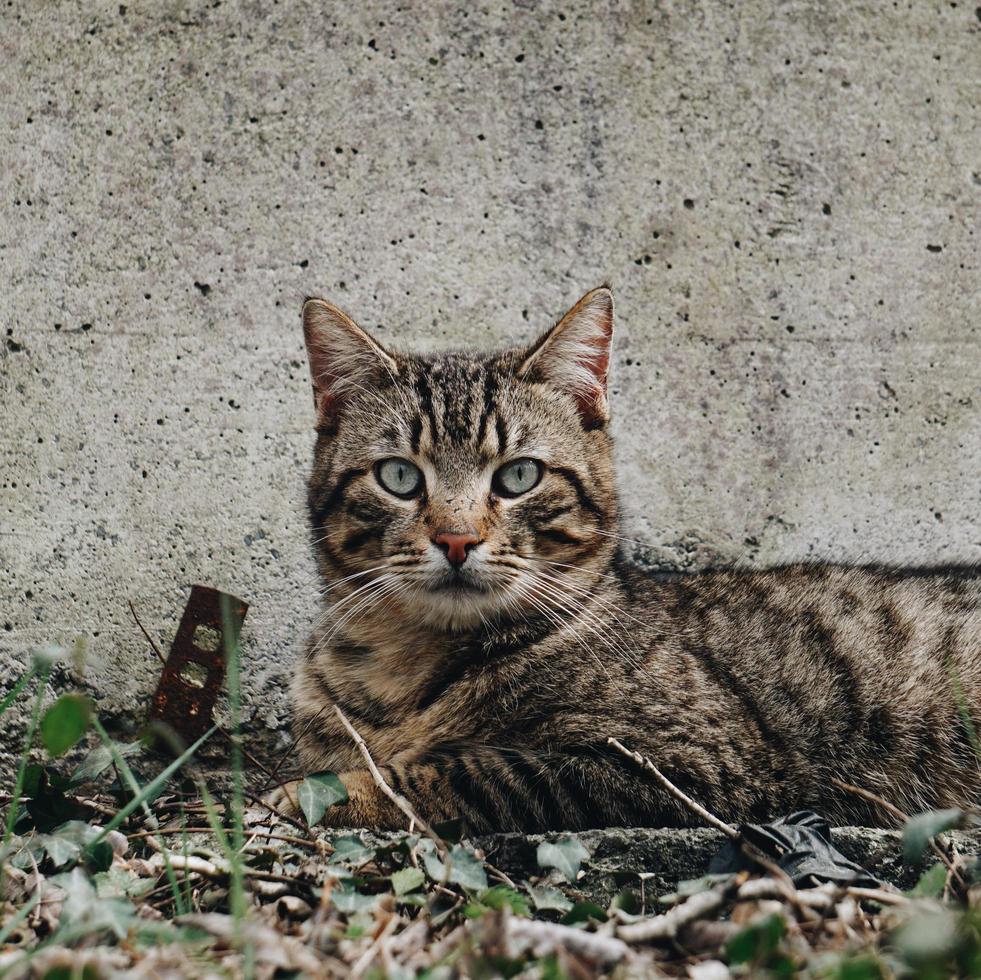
{"x":456,"y":546}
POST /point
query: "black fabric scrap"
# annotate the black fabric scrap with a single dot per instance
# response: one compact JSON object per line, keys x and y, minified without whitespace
{"x":799,"y":844}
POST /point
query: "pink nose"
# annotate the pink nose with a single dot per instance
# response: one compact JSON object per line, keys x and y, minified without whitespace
{"x":455,"y":546}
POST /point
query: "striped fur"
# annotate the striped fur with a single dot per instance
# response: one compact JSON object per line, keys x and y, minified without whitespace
{"x":750,"y":690}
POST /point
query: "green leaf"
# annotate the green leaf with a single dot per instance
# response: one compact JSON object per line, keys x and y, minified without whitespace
{"x":351,"y":849}
{"x":347,"y":899}
{"x":86,"y":913}
{"x":98,"y":855}
{"x":627,"y":900}
{"x":60,"y":849}
{"x":14,"y":692}
{"x":692,"y":886}
{"x":756,"y":942}
{"x":466,"y":870}
{"x":860,"y":968}
{"x":500,"y":896}
{"x":118,"y":882}
{"x":152,"y":788}
{"x":931,"y":883}
{"x":920,"y":829}
{"x":547,"y":898}
{"x":407,"y":880}
{"x":930,"y":937}
{"x":430,"y":859}
{"x":99,"y":760}
{"x":319,"y":791}
{"x":65,"y":722}
{"x":583,"y":912}
{"x":564,"y":855}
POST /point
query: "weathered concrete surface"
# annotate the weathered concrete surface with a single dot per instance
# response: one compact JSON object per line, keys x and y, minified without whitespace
{"x":654,"y":860}
{"x":784,"y":195}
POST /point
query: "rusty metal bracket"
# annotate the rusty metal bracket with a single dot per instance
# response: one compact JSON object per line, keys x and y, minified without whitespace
{"x":195,"y":669}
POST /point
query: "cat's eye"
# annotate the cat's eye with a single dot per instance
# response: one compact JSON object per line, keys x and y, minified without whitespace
{"x":517,"y":477}
{"x":399,"y":476}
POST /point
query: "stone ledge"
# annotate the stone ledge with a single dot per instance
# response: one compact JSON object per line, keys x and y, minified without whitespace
{"x":660,"y":858}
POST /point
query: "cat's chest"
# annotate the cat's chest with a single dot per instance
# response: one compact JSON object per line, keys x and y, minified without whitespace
{"x":405,"y":707}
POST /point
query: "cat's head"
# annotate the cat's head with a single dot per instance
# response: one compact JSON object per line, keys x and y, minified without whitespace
{"x":461,"y":489}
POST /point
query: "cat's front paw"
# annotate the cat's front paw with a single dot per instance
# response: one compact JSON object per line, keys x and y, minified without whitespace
{"x":285,"y":798}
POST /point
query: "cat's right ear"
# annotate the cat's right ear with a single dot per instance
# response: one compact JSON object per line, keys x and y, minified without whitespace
{"x":343,"y":358}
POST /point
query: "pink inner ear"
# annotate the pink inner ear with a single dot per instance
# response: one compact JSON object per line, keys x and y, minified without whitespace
{"x":598,"y":365}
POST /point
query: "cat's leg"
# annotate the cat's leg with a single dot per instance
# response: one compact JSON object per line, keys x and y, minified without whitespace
{"x":508,"y":789}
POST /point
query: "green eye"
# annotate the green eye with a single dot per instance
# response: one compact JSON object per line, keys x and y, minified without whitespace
{"x":399,"y":476}
{"x":517,"y":477}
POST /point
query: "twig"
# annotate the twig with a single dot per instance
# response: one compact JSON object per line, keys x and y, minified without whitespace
{"x":248,"y":755}
{"x":149,"y":638}
{"x":709,"y":818}
{"x":364,"y":961}
{"x":878,"y":895}
{"x":544,"y":938}
{"x":287,"y":752}
{"x":397,"y":798}
{"x":757,"y":889}
{"x":936,"y":845}
{"x":666,"y":926}
{"x":278,"y":813}
{"x":314,"y":845}
{"x":865,"y":794}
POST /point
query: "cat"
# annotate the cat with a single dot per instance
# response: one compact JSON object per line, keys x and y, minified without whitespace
{"x":485,"y":634}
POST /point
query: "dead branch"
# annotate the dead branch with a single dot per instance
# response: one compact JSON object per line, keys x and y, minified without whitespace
{"x":938,"y":845}
{"x":664,"y":927}
{"x":544,"y":938}
{"x":397,"y":798}
{"x":871,"y":797}
{"x":149,"y":638}
{"x":697,"y":808}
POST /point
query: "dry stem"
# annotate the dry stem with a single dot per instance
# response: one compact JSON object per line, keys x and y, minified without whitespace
{"x":397,"y":798}
{"x":697,"y":808}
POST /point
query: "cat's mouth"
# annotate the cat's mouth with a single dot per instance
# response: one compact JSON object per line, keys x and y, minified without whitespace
{"x":457,"y":583}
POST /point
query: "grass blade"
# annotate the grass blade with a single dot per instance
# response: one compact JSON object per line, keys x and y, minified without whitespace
{"x":154,"y":786}
{"x":25,"y":755}
{"x":17,"y":688}
{"x":137,"y":792}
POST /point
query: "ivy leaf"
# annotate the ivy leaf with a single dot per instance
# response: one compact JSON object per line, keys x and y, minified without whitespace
{"x":352,"y":849}
{"x":98,"y":855}
{"x":920,"y":829}
{"x":319,"y":791}
{"x":931,"y":883}
{"x":547,"y":898}
{"x":347,"y":899}
{"x":99,"y":760}
{"x":500,"y":896}
{"x":430,"y":859}
{"x":61,"y":850}
{"x":86,"y":913}
{"x":466,"y":870}
{"x":564,"y":855}
{"x":65,"y":722}
{"x":407,"y":880}
{"x":757,"y":941}
{"x":583,"y":912}
{"x":119,"y":882}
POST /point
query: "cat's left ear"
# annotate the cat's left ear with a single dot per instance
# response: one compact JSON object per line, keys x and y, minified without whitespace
{"x":343,"y":358}
{"x":575,"y":356}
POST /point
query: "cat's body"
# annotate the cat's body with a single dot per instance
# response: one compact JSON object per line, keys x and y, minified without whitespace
{"x":489,"y":637}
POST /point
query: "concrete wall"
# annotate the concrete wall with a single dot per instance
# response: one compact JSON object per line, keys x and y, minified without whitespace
{"x":784,"y":194}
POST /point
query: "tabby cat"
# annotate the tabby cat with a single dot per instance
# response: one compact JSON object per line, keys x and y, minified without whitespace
{"x":485,"y":634}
